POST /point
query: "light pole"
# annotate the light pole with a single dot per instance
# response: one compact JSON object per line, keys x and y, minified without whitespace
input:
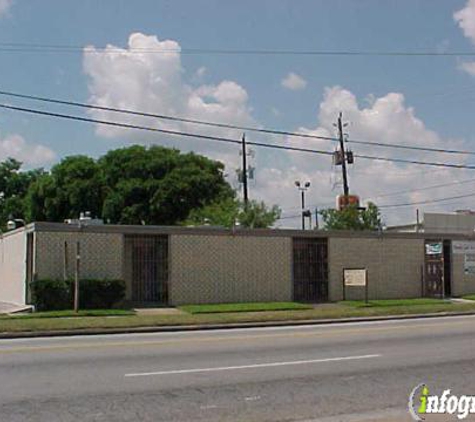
{"x":302,"y":188}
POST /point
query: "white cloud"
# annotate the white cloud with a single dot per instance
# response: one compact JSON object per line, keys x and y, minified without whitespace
{"x":387,"y":119}
{"x":294,"y":82}
{"x":465,"y":18}
{"x":5,"y":6}
{"x":201,"y":72}
{"x":468,"y":67}
{"x":155,"y":83}
{"x":31,"y":155}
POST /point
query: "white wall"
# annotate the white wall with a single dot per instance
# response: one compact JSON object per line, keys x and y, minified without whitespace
{"x":13,"y":267}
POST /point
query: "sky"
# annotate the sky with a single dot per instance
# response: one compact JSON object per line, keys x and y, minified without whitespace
{"x":111,"y":56}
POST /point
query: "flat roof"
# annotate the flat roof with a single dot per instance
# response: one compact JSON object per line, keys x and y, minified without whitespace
{"x":221,"y":231}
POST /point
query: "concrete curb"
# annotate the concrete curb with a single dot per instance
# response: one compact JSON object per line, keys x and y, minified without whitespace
{"x":209,"y":327}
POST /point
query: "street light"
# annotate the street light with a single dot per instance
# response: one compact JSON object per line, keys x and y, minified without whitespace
{"x":303,"y":188}
{"x":14,"y":223}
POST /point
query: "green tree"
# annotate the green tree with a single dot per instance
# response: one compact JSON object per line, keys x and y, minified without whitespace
{"x":73,"y":186}
{"x":352,"y":218}
{"x":14,"y":185}
{"x":134,"y":185}
{"x":228,"y":212}
{"x":159,"y":185}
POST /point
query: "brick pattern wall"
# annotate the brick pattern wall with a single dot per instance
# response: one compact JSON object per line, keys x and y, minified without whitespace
{"x":220,"y":269}
{"x":394,"y":267}
{"x":101,"y":254}
{"x":462,"y":284}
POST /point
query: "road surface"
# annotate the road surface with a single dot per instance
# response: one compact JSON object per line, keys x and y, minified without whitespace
{"x":343,"y":372}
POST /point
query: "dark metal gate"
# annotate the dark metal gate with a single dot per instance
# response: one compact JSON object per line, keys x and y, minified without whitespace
{"x":310,"y":269}
{"x":434,"y":269}
{"x":147,"y":258}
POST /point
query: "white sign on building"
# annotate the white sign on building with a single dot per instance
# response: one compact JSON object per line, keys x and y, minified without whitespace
{"x":355,"y":277}
{"x":463,"y":247}
{"x":467,"y":249}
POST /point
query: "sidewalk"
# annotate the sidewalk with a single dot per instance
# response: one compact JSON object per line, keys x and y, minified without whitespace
{"x":11,"y":308}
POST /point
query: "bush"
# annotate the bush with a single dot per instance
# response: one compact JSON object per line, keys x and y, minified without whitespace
{"x":100,"y":294}
{"x":51,"y":295}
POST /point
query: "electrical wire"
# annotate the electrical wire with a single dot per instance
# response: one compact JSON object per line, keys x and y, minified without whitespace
{"x":421,"y":189}
{"x":165,"y":131}
{"x":162,"y":116}
{"x":231,"y":126}
{"x":429,"y":201}
{"x":228,"y":140}
{"x":62,"y":48}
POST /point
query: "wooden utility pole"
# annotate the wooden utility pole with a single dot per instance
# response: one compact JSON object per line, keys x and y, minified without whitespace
{"x":65,"y":261}
{"x":244,"y":171}
{"x":346,"y":189}
{"x":76,"y":276}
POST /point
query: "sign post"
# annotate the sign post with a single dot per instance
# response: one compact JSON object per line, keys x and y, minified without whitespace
{"x":355,"y":277}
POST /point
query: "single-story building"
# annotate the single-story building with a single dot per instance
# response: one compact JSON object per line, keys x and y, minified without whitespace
{"x":181,"y":265}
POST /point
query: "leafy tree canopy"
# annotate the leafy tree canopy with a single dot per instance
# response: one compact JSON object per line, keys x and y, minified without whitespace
{"x":13,"y":188}
{"x":352,"y":218}
{"x":134,"y":185}
{"x":228,"y":212}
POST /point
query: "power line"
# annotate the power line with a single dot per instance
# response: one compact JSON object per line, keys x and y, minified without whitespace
{"x":424,"y":163}
{"x":228,"y":140}
{"x":425,"y":188}
{"x":166,"y":131}
{"x":288,"y":217}
{"x":422,"y":189}
{"x":62,"y":48}
{"x":402,"y":146}
{"x":429,"y":201}
{"x":162,"y":116}
{"x":231,"y":126}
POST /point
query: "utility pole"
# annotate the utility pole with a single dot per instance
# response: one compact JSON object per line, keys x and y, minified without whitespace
{"x":77,"y":268}
{"x":244,"y":171}
{"x":303,"y":187}
{"x":346,"y":189}
{"x":77,"y":276}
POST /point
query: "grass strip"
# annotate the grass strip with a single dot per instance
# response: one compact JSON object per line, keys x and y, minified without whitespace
{"x":329,"y":311}
{"x":71,"y":314}
{"x":394,"y":302}
{"x":244,"y":307}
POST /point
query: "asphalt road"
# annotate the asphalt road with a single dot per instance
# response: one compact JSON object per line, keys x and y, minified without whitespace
{"x":344,"y":372}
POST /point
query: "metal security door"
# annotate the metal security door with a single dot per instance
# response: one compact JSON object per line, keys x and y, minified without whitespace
{"x":434,"y":269}
{"x":310,"y":270}
{"x":149,"y":268}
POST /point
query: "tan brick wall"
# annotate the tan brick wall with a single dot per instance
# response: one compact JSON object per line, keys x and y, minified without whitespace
{"x":101,"y":254}
{"x":13,"y":268}
{"x":462,"y":284}
{"x":220,"y":269}
{"x":394,"y":266}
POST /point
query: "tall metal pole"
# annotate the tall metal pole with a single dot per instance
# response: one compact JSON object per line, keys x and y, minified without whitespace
{"x":303,"y":208}
{"x":244,"y":171}
{"x":346,"y":189}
